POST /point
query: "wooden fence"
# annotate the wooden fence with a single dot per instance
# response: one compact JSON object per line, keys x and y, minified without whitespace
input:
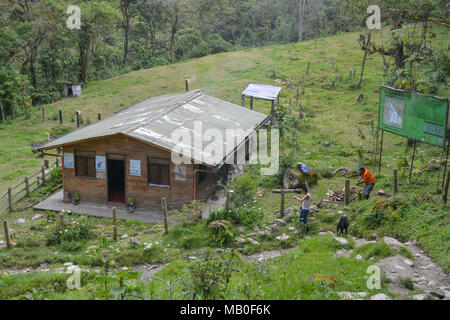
{"x":28,"y":185}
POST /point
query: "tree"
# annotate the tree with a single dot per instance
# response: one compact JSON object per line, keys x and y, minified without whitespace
{"x":154,"y":13}
{"x":128,"y":10}
{"x":301,"y":21}
{"x":175,"y":14}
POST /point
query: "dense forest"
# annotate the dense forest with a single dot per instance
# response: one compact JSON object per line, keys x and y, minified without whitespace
{"x":39,"y":52}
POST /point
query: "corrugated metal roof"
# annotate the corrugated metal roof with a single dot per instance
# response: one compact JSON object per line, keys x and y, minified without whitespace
{"x":155,"y":119}
{"x":262,"y":91}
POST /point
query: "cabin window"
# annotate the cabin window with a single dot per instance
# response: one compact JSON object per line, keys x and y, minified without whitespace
{"x":158,"y":171}
{"x":85,"y":164}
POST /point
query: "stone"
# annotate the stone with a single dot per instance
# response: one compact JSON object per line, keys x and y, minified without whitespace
{"x":253,"y":241}
{"x":287,"y":217}
{"x":380,"y":296}
{"x":124,"y":236}
{"x":409,"y":262}
{"x":392,"y":242}
{"x":438,"y":293}
{"x":420,"y":297}
{"x":358,"y":257}
{"x":330,"y":232}
{"x":351,"y":295}
{"x":68,"y":264}
{"x":283,"y":237}
{"x":20,"y":221}
{"x":148,"y":246}
{"x":275,"y":229}
{"x":135,"y":241}
{"x":322,"y":233}
{"x":432,"y":284}
{"x":342,"y":253}
{"x":241,"y":229}
{"x":37,"y":217}
{"x":279,"y":222}
{"x":239,"y":240}
{"x":341,"y":240}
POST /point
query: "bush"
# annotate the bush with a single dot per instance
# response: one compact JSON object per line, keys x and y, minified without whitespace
{"x":244,"y":216}
{"x":79,"y":229}
{"x":244,"y":187}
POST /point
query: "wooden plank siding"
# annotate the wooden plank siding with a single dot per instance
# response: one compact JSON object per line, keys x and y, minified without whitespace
{"x":95,"y":190}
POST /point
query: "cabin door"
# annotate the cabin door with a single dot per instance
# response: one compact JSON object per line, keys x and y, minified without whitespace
{"x":116,"y":179}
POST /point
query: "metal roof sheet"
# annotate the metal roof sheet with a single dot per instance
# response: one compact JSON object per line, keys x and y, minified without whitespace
{"x":155,"y":119}
{"x":262,"y":91}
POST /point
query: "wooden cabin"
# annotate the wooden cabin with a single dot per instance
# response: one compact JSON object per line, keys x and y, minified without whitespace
{"x":130,"y":153}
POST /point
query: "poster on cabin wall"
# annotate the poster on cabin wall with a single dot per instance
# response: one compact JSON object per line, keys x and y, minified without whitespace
{"x":100,"y":163}
{"x":135,"y":168}
{"x":69,"y":161}
{"x":180,"y":172}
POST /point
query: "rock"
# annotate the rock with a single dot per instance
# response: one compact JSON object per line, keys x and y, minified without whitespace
{"x":135,"y":241}
{"x":437,"y":293}
{"x":68,"y":264}
{"x":287,"y":217}
{"x":351,"y":295}
{"x":392,"y":242}
{"x":283,"y":237}
{"x":239,"y":240}
{"x":148,"y":246}
{"x":275,"y":229}
{"x":358,"y":257}
{"x":322,"y":233}
{"x":20,"y":221}
{"x":291,"y":229}
{"x":409,"y":262}
{"x":37,"y":217}
{"x":124,"y":236}
{"x":342,"y":253}
{"x":341,"y":240}
{"x":420,"y":297}
{"x":241,"y":229}
{"x":432,"y":284}
{"x":330,"y":232}
{"x":380,"y":296}
{"x":253,"y":241}
{"x":279,"y":222}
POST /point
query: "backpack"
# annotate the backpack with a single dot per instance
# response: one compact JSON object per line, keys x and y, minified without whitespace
{"x":303,"y":167}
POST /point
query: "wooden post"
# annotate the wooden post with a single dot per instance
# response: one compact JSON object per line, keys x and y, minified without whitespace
{"x":243,"y":101}
{"x":43,"y":174}
{"x":3,"y":111}
{"x":347,"y":192}
{"x":99,"y":116}
{"x":57,"y":162}
{"x":272,"y":112}
{"x":446,"y":161}
{"x":412,"y":160}
{"x":164,"y":209}
{"x":303,"y":81}
{"x":297,"y":96}
{"x":381,"y":151}
{"x":395,"y":181}
{"x":251,"y":103}
{"x":46,"y":164}
{"x":7,"y":238}
{"x":78,"y":120}
{"x":61,"y":222}
{"x":445,"y":192}
{"x":60,"y":117}
{"x":43,"y":114}
{"x":27,"y":186}
{"x":307,"y":70}
{"x":332,"y":63}
{"x":282,"y":204}
{"x":10,"y":200}
{"x":227,"y":201}
{"x":114,"y":213}
{"x":187,"y":85}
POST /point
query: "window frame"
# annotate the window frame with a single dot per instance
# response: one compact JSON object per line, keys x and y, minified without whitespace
{"x":149,"y":164}
{"x":86,"y":155}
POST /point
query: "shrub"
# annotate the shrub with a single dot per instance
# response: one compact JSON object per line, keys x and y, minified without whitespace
{"x":244,"y":216}
{"x":244,"y":187}
{"x":79,"y":229}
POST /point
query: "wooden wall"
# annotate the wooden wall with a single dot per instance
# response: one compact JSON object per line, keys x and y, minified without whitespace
{"x":95,"y":190}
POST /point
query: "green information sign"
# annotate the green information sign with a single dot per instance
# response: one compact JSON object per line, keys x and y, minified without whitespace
{"x":420,"y":117}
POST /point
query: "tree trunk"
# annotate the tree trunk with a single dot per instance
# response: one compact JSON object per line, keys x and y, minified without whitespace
{"x":362,"y":69}
{"x":83,"y":46}
{"x":32,"y":68}
{"x":125,"y":42}
{"x":301,"y":20}
{"x":1,"y":109}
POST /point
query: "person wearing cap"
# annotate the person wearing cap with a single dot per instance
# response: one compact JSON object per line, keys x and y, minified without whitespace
{"x":368,"y":179}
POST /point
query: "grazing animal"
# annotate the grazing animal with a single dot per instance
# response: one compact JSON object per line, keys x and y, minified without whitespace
{"x":342,"y":226}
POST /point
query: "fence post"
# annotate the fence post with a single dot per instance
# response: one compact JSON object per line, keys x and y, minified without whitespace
{"x":10,"y":200}
{"x":307,"y":70}
{"x":282,"y":203}
{"x":43,"y":114}
{"x":164,"y":209}
{"x":27,"y":186}
{"x":7,"y":238}
{"x":61,"y":222}
{"x":60,"y":117}
{"x":251,"y":103}
{"x":114,"y":212}
{"x":99,"y":116}
{"x":347,"y":192}
{"x":46,"y":164}
{"x":78,"y":120}
{"x":445,"y":192}
{"x":227,"y":201}
{"x":43,"y":174}
{"x":187,"y":85}
{"x":395,"y":181}
{"x":57,"y":162}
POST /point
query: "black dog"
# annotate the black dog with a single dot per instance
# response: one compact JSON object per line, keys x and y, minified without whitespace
{"x":342,"y":226}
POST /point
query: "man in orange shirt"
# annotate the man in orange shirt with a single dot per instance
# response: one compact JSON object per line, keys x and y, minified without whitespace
{"x":368,"y":179}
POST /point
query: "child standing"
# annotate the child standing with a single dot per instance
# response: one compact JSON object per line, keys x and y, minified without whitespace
{"x":306,"y":203}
